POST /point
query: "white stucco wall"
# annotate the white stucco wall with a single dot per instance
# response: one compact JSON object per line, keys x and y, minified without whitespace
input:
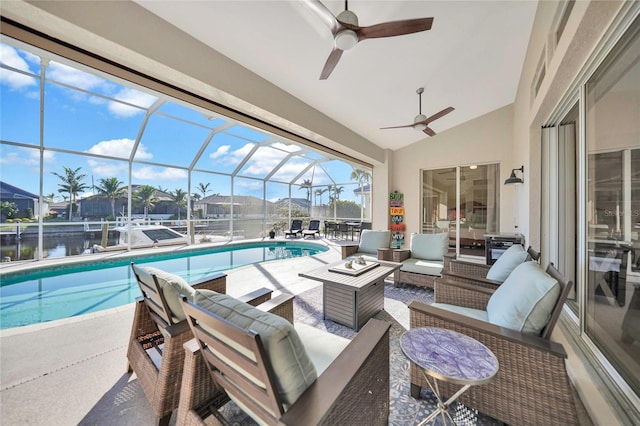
{"x":487,"y":139}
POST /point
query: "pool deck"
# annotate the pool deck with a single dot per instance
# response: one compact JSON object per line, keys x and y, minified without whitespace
{"x":73,"y":371}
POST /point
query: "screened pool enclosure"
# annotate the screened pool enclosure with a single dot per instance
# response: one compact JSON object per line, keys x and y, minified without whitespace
{"x":84,"y":151}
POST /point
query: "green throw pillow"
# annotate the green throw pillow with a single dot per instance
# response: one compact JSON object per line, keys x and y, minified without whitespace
{"x":506,"y":263}
{"x":524,"y":302}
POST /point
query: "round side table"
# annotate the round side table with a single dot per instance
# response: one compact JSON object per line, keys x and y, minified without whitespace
{"x":450,"y":356}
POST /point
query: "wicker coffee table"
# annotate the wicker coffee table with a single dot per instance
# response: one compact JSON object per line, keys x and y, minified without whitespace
{"x":352,"y":299}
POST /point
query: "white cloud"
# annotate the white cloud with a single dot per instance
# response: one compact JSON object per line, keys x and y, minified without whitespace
{"x":120,"y":148}
{"x":285,"y":147}
{"x":133,"y":97}
{"x":248,"y":184}
{"x":74,"y":77}
{"x":107,"y":169}
{"x":220,"y":152}
{"x":26,"y":157}
{"x":16,"y":81}
{"x":148,"y":174}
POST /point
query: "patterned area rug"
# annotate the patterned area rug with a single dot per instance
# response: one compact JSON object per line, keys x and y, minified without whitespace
{"x":404,"y":410}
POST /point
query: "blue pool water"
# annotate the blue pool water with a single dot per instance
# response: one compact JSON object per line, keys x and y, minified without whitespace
{"x":66,"y":291}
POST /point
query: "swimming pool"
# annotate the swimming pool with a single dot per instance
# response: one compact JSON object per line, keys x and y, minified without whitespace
{"x":64,"y":291}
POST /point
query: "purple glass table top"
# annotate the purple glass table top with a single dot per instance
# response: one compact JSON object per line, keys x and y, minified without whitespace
{"x":449,"y":355}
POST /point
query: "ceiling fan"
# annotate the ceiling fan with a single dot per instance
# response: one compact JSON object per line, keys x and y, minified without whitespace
{"x":421,"y":121}
{"x":347,"y":33}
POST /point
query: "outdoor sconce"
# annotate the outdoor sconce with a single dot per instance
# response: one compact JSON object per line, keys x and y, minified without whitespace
{"x":513,"y":178}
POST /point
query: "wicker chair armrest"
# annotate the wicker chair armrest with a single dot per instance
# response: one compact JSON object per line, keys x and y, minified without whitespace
{"x":177,"y":329}
{"x":470,"y":279}
{"x":447,"y":259}
{"x":281,"y":305}
{"x":357,"y":378}
{"x":471,"y":269}
{"x":400,"y":255}
{"x":256,"y":297}
{"x":461,"y":294}
{"x":216,"y":282}
{"x":421,"y":311}
{"x":349,"y":250}
{"x":385,"y":254}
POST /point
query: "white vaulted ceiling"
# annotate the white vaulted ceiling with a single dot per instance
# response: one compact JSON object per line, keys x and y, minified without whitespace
{"x":471,"y":58}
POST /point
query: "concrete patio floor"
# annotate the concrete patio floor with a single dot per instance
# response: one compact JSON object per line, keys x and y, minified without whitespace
{"x":74,"y":371}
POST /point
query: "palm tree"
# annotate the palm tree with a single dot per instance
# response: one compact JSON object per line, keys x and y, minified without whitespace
{"x":361,"y":176}
{"x":334,"y":197}
{"x":306,"y":184}
{"x":112,"y":189}
{"x":71,"y":184}
{"x":50,"y":198}
{"x":147,"y":195}
{"x":204,"y":188}
{"x":180,"y":198}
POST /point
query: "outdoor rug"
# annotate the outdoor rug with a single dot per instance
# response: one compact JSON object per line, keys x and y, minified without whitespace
{"x":404,"y":410}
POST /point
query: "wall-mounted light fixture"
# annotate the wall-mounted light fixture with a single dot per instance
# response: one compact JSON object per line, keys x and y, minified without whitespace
{"x":513,"y":178}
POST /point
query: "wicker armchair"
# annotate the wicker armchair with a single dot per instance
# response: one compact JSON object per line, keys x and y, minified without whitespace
{"x":373,"y":245}
{"x":532,"y":386}
{"x":472,"y":272}
{"x":354,"y":385}
{"x":155,"y":351}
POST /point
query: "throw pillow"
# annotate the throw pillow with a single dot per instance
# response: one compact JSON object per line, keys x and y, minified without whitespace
{"x":429,"y":246}
{"x":506,"y":263}
{"x":371,"y":241}
{"x":525,"y":300}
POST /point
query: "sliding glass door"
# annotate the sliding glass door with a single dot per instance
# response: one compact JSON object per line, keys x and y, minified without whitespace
{"x":463,"y":201}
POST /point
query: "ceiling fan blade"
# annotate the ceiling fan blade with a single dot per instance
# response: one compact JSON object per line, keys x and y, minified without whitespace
{"x":396,"y":127}
{"x":438,"y":115}
{"x":429,"y":131}
{"x":325,"y":14}
{"x":331,"y":63}
{"x":395,"y":28}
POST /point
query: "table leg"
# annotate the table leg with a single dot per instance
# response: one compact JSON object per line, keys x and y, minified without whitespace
{"x":443,"y":407}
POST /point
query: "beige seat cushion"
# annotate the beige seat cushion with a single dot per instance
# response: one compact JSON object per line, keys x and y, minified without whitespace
{"x":419,"y":266}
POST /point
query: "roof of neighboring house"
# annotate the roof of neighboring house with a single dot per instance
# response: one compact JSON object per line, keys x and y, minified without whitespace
{"x":10,"y":191}
{"x":366,"y":188}
{"x":226,"y":200}
{"x":300,"y":202}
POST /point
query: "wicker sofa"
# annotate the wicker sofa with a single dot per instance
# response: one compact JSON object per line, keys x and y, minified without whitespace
{"x":268,"y":367}
{"x":532,"y":386}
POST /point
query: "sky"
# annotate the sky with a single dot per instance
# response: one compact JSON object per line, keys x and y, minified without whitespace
{"x":93,"y":122}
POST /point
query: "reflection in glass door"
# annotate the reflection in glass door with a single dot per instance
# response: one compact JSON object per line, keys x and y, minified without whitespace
{"x":612,"y":314}
{"x":463,"y":201}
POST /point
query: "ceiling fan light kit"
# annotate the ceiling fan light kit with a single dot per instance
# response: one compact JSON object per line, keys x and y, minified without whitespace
{"x":347,"y":32}
{"x":346,"y":39}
